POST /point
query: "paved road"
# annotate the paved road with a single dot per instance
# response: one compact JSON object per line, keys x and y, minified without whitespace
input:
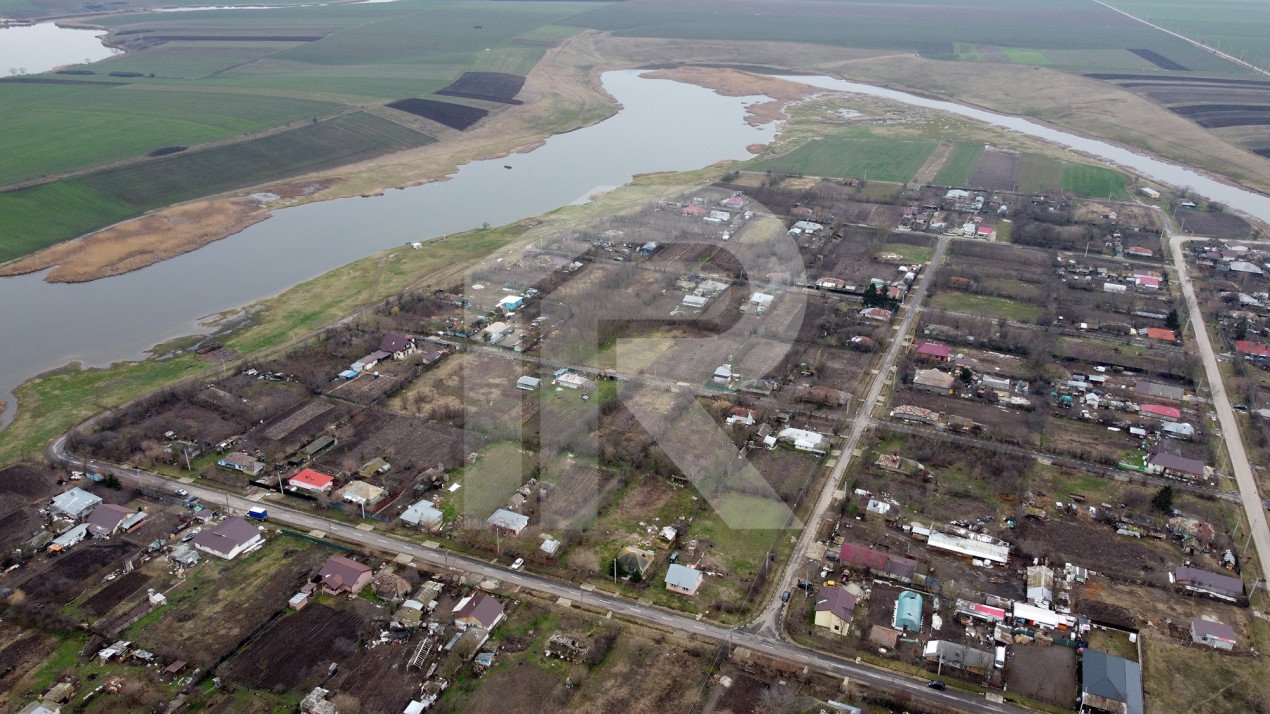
{"x":769,"y":621}
{"x":1239,"y":465}
{"x":441,"y":559}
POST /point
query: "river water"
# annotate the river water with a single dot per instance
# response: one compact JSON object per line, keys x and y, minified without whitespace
{"x":30,"y":49}
{"x":46,"y":325}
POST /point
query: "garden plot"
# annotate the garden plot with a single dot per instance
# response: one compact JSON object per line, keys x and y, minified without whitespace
{"x":65,"y":576}
{"x":408,"y":444}
{"x":998,"y":422}
{"x":473,"y":389}
{"x":293,"y":429}
{"x":297,"y":650}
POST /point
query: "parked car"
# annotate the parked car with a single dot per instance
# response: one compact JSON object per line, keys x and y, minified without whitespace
{"x":936,"y":684}
{"x":190,"y":536}
{"x":785,"y":596}
{"x":182,"y":492}
{"x":518,"y":563}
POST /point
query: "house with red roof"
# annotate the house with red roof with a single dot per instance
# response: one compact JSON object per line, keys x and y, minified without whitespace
{"x":1252,"y":349}
{"x":931,"y":351}
{"x":986,"y":232}
{"x":1159,"y":333}
{"x":1160,"y":411}
{"x":311,"y":480}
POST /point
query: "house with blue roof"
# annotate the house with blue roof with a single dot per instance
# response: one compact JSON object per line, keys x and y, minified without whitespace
{"x":1110,"y":684}
{"x":683,"y":580}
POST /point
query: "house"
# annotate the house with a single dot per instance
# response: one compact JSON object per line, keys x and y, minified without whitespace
{"x":1217,"y":635}
{"x":1148,"y":283}
{"x":106,"y":518}
{"x":310,"y":480}
{"x":876,"y":314}
{"x":1159,"y":411}
{"x":908,"y":612}
{"x":397,"y":344}
{"x":370,"y":360}
{"x":69,"y":538}
{"x":423,"y":514}
{"x":1163,"y":462}
{"x":951,"y":654}
{"x":1110,"y":684}
{"x":341,"y":575}
{"x":971,"y":547}
{"x":877,"y":561}
{"x":834,"y":609}
{"x":184,"y":555}
{"x":478,"y":610}
{"x":743,"y":417}
{"x":1178,"y":430}
{"x":1251,"y":349}
{"x":241,"y":462}
{"x":1139,"y":252}
{"x":933,"y":380}
{"x":722,"y":374}
{"x":683,"y":580}
{"x":1214,"y":585}
{"x":496,"y":332}
{"x":931,"y":351}
{"x":230,"y":538}
{"x":1160,"y":392}
{"x":986,"y":232}
{"x":528,"y":383}
{"x":804,"y":440}
{"x":1040,"y":584}
{"x":74,"y":504}
{"x":1161,"y":334}
{"x":511,"y":303}
{"x":508,"y":523}
{"x":1116,"y":288}
{"x":362,"y":493}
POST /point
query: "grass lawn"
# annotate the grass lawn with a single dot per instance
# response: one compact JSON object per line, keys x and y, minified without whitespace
{"x":911,"y":253}
{"x":956,"y":170}
{"x":875,"y":158}
{"x":1184,"y":678}
{"x":986,"y":306}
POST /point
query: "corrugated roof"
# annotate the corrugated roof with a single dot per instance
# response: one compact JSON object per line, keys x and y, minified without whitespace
{"x":681,"y":576}
{"x":838,"y":601}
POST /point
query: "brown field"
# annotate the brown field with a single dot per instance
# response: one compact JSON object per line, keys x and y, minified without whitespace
{"x":24,"y":650}
{"x":105,"y":600}
{"x":1215,"y":225}
{"x":67,"y":574}
{"x":995,"y":170}
{"x":1047,"y":673}
{"x":297,"y":649}
{"x":1097,"y":547}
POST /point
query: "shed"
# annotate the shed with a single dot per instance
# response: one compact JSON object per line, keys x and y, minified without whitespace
{"x":908,"y":612}
{"x":423,"y":514}
{"x":508,"y":522}
{"x":1217,"y":635}
{"x":528,"y":383}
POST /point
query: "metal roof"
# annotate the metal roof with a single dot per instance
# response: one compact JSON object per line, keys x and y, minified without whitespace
{"x":1111,"y":677}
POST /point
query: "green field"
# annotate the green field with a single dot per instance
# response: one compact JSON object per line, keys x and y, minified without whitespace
{"x":878,"y":159}
{"x":985,"y":306}
{"x":1039,"y":174}
{"x":39,"y":216}
{"x":934,"y":30}
{"x":956,"y":170}
{"x":340,"y":140}
{"x":1095,"y":181}
{"x":54,"y":128}
{"x":218,"y":76}
{"x":1239,"y":27}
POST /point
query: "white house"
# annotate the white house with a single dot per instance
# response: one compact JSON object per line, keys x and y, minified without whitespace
{"x":230,"y":538}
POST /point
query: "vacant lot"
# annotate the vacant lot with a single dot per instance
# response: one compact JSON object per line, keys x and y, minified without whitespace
{"x":996,"y":308}
{"x":995,"y":170}
{"x":1047,"y":673}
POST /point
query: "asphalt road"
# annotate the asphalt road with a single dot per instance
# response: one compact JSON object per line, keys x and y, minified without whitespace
{"x":768,"y":621}
{"x":440,"y":559}
{"x":1239,"y":465}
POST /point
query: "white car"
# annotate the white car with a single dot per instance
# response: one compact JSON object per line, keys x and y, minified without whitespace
{"x":518,"y":564}
{"x":182,"y":492}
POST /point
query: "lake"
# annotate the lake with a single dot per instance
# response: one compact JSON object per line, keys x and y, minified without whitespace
{"x":31,"y":49}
